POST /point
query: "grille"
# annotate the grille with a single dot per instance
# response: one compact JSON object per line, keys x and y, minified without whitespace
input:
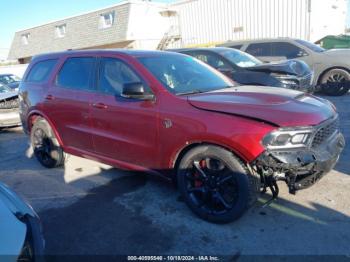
{"x":10,"y":103}
{"x":325,"y":132}
{"x":305,"y":81}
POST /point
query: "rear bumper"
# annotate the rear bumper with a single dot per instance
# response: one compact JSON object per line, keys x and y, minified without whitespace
{"x":304,"y":167}
{"x":9,"y":118}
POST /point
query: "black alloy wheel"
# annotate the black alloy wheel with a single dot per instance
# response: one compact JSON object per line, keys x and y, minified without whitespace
{"x":211,"y":185}
{"x":215,"y":184}
{"x":45,"y":145}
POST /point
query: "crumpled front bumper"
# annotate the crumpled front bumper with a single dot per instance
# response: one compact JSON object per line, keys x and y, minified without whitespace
{"x":301,"y":168}
{"x":299,"y":83}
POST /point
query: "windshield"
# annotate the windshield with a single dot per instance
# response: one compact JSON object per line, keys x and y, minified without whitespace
{"x":8,"y":79}
{"x":182,"y":74}
{"x":311,"y":46}
{"x":4,"y":89}
{"x":240,"y":58}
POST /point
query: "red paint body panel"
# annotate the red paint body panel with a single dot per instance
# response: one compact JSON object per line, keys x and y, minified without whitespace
{"x":287,"y":109}
{"x":136,"y":134}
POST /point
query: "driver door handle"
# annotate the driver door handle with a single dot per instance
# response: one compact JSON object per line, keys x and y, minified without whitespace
{"x":99,"y":105}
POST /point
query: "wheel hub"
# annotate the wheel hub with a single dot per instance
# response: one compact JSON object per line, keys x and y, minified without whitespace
{"x":213,"y":182}
{"x":212,"y":185}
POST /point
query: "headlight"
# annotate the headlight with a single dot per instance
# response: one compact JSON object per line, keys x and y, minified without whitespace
{"x":288,"y":138}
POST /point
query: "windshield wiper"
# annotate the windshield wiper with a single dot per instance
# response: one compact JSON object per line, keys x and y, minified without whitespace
{"x":197,"y":91}
{"x":192,"y":92}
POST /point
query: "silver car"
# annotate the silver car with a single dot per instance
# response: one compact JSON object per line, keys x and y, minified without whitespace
{"x":331,"y":67}
{"x":9,"y":115}
{"x":21,"y":236}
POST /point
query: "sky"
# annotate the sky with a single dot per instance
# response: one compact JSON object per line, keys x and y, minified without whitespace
{"x":20,"y":14}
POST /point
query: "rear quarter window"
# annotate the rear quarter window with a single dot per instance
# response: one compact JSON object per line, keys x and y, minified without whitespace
{"x":236,"y":46}
{"x":41,"y":71}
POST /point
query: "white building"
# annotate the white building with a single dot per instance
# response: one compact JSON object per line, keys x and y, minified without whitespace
{"x":213,"y":21}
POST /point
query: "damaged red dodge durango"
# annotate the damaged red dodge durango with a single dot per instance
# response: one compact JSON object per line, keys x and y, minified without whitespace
{"x":171,"y":114}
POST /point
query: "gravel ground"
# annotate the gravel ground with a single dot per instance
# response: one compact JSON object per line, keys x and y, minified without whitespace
{"x":90,"y":208}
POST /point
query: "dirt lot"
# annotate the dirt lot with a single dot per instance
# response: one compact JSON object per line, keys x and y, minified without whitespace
{"x":90,"y":208}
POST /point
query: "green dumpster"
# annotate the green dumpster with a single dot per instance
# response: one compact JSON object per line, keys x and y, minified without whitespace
{"x":333,"y":41}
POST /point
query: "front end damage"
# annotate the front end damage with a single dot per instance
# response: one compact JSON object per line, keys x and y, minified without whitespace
{"x":301,"y":167}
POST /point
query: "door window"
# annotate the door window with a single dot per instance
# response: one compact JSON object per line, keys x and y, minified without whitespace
{"x":276,"y":49}
{"x":113,"y":75}
{"x":212,"y":60}
{"x":287,"y":50}
{"x":259,"y":49}
{"x":76,"y":73}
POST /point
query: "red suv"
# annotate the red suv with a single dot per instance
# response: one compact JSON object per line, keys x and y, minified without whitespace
{"x":170,"y":114}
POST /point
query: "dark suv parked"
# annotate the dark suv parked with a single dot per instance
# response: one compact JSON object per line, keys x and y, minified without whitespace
{"x":248,"y":70}
{"x":168,"y":113}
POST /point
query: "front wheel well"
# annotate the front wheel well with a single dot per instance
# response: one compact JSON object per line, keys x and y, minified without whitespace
{"x":182,"y":152}
{"x":32,"y":119}
{"x":188,"y":147}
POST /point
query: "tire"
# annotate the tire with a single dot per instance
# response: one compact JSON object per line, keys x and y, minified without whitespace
{"x":335,"y":82}
{"x":27,"y":253}
{"x":45,"y":145}
{"x":215,"y":184}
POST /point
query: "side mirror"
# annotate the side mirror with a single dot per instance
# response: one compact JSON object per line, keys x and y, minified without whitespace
{"x":136,"y":91}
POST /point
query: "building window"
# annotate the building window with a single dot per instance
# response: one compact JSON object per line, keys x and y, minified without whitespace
{"x":106,"y":20}
{"x":25,"y":39}
{"x":60,"y":31}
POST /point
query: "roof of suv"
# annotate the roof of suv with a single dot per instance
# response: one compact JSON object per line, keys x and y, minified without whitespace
{"x":213,"y":49}
{"x":261,"y":40}
{"x":134,"y":53}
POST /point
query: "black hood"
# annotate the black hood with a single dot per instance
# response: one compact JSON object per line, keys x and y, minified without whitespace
{"x":290,"y":67}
